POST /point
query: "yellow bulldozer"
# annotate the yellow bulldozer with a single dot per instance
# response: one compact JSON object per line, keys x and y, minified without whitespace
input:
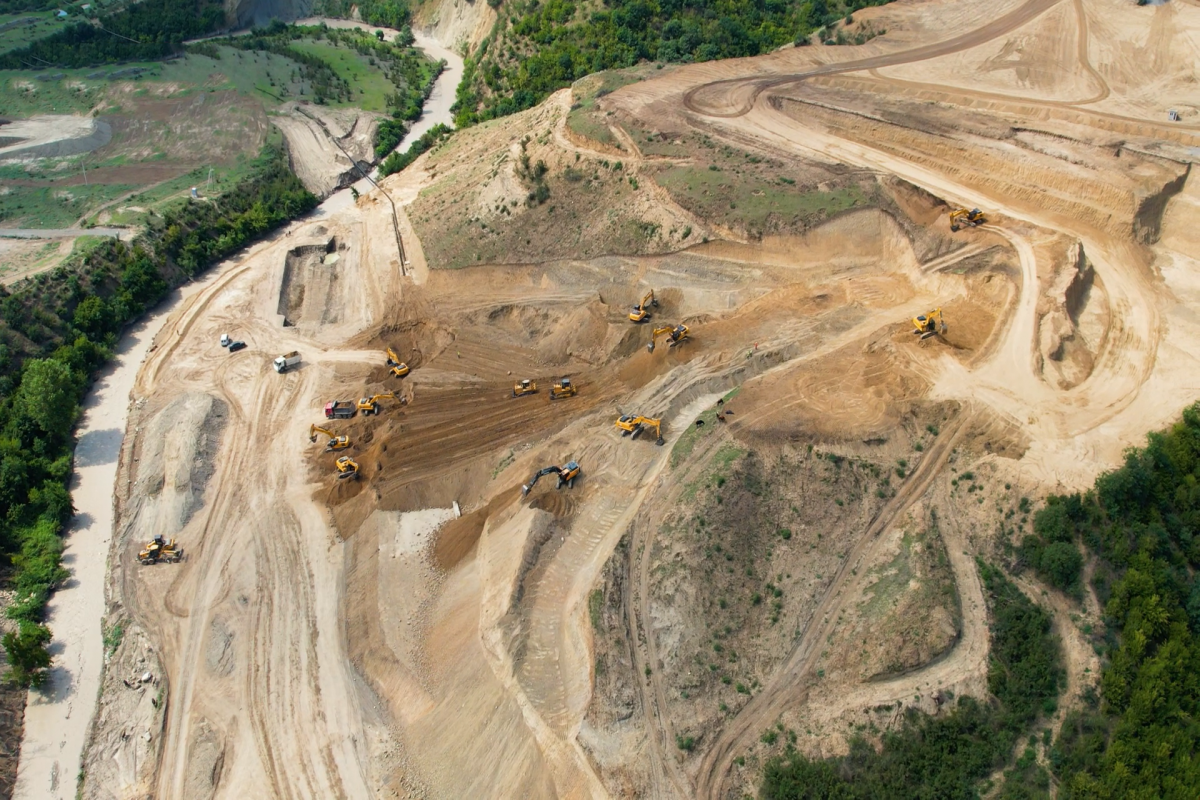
{"x":399,"y":368}
{"x":522,"y":388}
{"x":567,"y":474}
{"x":335,"y":442}
{"x":961,"y":218}
{"x":159,"y":549}
{"x":370,"y":405}
{"x":347,"y":467}
{"x":632,"y":425}
{"x":562,"y":389}
{"x":641,"y":312}
{"x":931,"y":324}
{"x":676,"y":334}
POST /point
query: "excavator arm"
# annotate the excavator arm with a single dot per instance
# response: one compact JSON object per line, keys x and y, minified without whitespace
{"x":537,"y":476}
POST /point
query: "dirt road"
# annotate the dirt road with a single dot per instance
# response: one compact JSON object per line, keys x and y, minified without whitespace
{"x":308,"y":648}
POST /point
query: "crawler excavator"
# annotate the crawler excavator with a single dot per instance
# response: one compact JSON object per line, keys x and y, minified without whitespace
{"x":159,"y":549}
{"x":522,"y":388}
{"x":562,"y":389}
{"x":335,"y":442}
{"x":566,"y":476}
{"x":347,"y":467}
{"x":632,"y":425}
{"x":641,"y":312}
{"x":399,"y":368}
{"x":961,"y":218}
{"x":675,"y":335}
{"x":370,"y":405}
{"x":931,"y":324}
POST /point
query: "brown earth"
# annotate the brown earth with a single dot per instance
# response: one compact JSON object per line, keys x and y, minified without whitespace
{"x":351,"y":638}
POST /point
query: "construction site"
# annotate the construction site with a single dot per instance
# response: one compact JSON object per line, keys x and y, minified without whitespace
{"x":673,"y":409}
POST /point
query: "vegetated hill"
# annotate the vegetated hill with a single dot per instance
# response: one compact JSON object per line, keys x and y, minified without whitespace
{"x":539,"y":47}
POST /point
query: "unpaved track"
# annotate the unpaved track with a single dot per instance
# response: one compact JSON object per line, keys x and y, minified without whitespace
{"x":735,"y":97}
{"x":787,"y":686}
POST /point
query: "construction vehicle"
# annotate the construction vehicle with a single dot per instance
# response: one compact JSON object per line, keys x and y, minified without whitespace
{"x":566,"y":476}
{"x":930,"y":324}
{"x":562,"y":389}
{"x":641,"y":312}
{"x":340,"y":409}
{"x":370,"y":405}
{"x":286,"y":361}
{"x":335,"y":442}
{"x":963,"y":218}
{"x":632,"y":425}
{"x":159,"y":549}
{"x":347,"y":467}
{"x":675,"y":335}
{"x":522,"y":388}
{"x":399,"y":368}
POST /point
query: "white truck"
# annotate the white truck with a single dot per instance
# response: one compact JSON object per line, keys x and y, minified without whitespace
{"x":287,"y":361}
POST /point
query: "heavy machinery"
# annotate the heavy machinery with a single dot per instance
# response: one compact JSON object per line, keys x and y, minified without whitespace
{"x":969,"y":219}
{"x":562,"y":389}
{"x":522,"y":388}
{"x":286,"y":361}
{"x":632,"y":425}
{"x":931,"y":324}
{"x":675,"y":335}
{"x":641,"y":312}
{"x":370,"y":405}
{"x":566,"y":476}
{"x":347,"y":467}
{"x":399,"y":368}
{"x":335,"y":442}
{"x":159,"y":549}
{"x":340,"y":409}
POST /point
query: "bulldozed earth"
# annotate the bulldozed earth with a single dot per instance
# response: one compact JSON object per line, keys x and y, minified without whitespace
{"x":799,"y":554}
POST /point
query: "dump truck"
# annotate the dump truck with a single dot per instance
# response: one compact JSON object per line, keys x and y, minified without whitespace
{"x":340,"y":409}
{"x":287,"y":361}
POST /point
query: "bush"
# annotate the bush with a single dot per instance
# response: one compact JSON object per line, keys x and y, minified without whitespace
{"x":28,"y":658}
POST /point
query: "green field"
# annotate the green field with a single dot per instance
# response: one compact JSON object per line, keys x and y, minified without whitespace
{"x":369,"y":85}
{"x":19,"y":36}
{"x":267,"y":76}
{"x":53,"y":206}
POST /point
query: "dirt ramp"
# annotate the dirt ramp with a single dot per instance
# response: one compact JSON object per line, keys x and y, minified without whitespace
{"x":176,"y":460}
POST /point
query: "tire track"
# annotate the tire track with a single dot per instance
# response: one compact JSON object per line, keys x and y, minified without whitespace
{"x":786,"y":688}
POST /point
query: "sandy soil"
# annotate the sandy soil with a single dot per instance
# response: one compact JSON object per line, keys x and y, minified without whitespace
{"x":57,"y":718}
{"x":321,"y":641}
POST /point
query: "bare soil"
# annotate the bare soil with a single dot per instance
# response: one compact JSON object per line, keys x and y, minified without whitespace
{"x":325,"y":638}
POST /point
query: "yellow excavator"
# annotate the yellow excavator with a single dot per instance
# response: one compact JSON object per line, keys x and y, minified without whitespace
{"x":335,"y":442}
{"x":632,"y":425}
{"x":641,"y":312}
{"x":522,"y":388}
{"x":562,"y":389}
{"x":399,"y":368}
{"x":159,"y":549}
{"x":567,"y":474}
{"x":961,"y":218}
{"x":347,"y":467}
{"x":931,"y":324}
{"x":370,"y":405}
{"x":675,"y":335}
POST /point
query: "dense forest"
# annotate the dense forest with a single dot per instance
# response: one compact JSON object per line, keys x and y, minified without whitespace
{"x":947,"y":756}
{"x":385,"y":13}
{"x":144,"y":31}
{"x":56,"y":330}
{"x":540,"y":46}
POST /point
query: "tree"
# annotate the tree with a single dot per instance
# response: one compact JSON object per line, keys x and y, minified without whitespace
{"x":28,"y":658}
{"x":47,"y":396}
